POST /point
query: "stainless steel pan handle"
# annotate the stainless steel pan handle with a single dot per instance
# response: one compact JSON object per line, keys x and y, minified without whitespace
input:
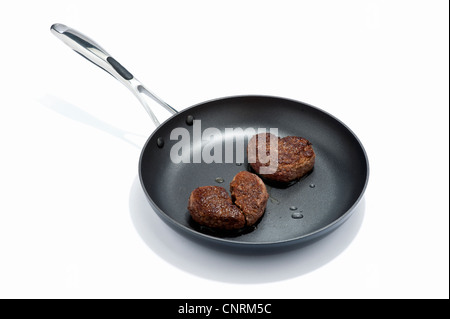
{"x":97,"y":55}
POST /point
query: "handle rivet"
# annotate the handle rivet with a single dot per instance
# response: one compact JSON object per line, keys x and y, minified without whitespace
{"x":189,"y":120}
{"x":160,"y":142}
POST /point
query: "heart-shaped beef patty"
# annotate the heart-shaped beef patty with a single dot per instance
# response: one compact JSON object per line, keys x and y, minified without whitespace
{"x":293,"y":158}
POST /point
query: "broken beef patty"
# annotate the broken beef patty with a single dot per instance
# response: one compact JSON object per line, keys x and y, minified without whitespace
{"x":211,"y":206}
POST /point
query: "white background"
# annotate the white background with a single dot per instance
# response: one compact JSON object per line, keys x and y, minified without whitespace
{"x":74,"y":221}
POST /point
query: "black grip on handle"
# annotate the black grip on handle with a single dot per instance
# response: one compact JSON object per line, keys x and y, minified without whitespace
{"x":119,"y":68}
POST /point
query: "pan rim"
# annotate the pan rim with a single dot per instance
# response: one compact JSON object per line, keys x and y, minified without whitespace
{"x":296,"y":240}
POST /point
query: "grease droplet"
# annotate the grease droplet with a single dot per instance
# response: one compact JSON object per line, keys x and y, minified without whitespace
{"x":219,"y":180}
{"x":238,"y":164}
{"x":297,"y":215}
{"x":274,"y":200}
{"x":293,"y":208}
{"x":312,"y":185}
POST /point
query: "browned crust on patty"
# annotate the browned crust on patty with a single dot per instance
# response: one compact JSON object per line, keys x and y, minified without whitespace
{"x":250,"y":194}
{"x":294,"y":156}
{"x":211,"y":206}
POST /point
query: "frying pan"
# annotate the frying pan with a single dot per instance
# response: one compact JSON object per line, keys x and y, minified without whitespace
{"x":304,"y":211}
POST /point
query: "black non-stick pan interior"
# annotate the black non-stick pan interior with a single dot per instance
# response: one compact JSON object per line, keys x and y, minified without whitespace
{"x":308,"y":209}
